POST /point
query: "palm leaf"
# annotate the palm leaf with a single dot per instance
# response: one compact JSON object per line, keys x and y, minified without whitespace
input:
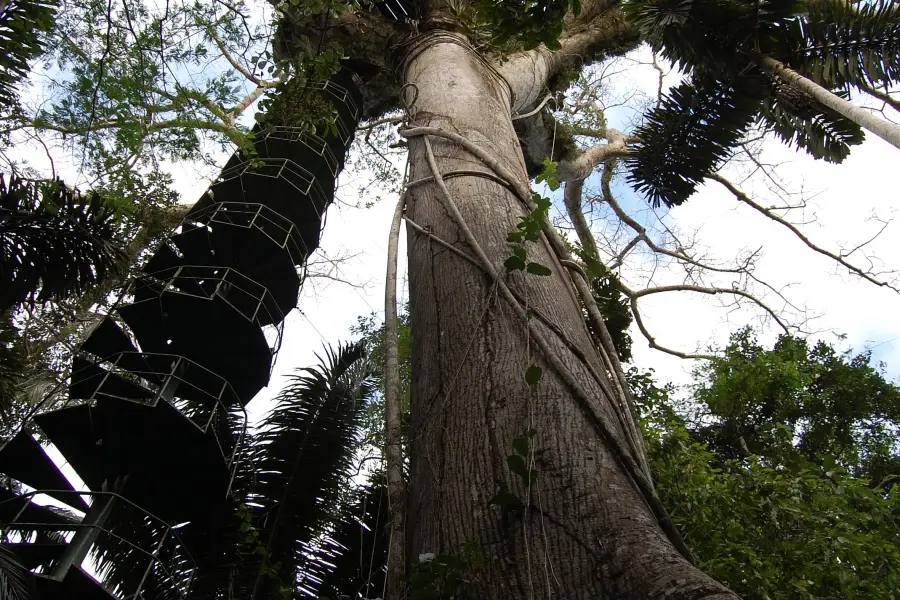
{"x":839,"y":43}
{"x":822,"y":134}
{"x":303,"y":456}
{"x":352,"y":560}
{"x":690,"y":134}
{"x":15,"y":581}
{"x":21,"y":24}
{"x":53,"y":243}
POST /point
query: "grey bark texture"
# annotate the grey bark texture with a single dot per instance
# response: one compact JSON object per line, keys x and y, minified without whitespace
{"x":396,"y":563}
{"x":586,"y":532}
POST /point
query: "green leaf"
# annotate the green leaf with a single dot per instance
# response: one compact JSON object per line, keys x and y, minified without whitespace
{"x":520,"y":445}
{"x":538,"y":269}
{"x":543,"y":204}
{"x":519,"y":252}
{"x":514,"y":263}
{"x":506,"y":499}
{"x":533,"y":375}
{"x":594,"y":267}
{"x":515,"y":237}
{"x":517,"y":465}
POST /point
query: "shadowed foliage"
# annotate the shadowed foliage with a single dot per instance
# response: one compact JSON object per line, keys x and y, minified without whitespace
{"x":15,"y":582}
{"x":286,"y":520}
{"x":357,"y":548}
{"x":54,"y":243}
{"x":697,"y":125}
{"x":21,"y":24}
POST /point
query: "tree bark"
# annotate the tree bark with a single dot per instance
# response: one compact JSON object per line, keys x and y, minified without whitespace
{"x":396,"y":563}
{"x":585,"y":531}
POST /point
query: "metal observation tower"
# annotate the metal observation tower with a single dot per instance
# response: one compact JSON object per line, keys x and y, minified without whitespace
{"x":154,"y":419}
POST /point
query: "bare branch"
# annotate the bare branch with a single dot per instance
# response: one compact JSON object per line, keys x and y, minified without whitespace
{"x":712,"y":291}
{"x":652,"y":340}
{"x":883,"y":96}
{"x":840,"y":259}
{"x":231,"y":59}
{"x":396,"y":120}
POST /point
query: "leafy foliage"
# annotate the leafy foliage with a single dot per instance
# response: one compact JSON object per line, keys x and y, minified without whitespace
{"x":527,"y":24}
{"x":798,"y":404}
{"x":54,"y":243}
{"x":792,"y":521}
{"x":615,"y":308}
{"x":13,"y":363}
{"x":15,"y":581}
{"x":697,"y":124}
{"x":846,"y":43}
{"x":22,"y":26}
{"x":372,"y":335}
{"x":357,"y":548}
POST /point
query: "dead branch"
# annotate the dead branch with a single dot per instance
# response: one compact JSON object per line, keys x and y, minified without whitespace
{"x":839,"y":258}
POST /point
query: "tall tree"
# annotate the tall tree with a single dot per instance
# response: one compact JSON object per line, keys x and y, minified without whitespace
{"x":779,"y":467}
{"x":522,"y":443}
{"x":526,"y":462}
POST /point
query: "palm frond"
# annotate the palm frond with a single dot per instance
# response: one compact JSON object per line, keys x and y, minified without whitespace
{"x":54,"y":243}
{"x":352,"y":560}
{"x":13,"y":364}
{"x":15,"y":581}
{"x":123,"y":560}
{"x":220,"y":543}
{"x":21,"y":26}
{"x":303,"y":454}
{"x":691,"y":132}
{"x":822,"y":134}
{"x":841,"y":43}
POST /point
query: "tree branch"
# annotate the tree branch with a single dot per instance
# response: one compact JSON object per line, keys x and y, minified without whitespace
{"x":742,"y":197}
{"x":396,"y":562}
{"x":883,"y":96}
{"x":581,"y":166}
{"x":652,"y":340}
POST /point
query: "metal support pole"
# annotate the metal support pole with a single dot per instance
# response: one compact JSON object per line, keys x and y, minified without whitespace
{"x":94,"y":520}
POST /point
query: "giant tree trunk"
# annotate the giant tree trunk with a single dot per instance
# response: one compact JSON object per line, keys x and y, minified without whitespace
{"x":587,"y":532}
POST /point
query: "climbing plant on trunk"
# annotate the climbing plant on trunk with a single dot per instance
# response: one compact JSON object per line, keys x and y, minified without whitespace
{"x":527,"y":474}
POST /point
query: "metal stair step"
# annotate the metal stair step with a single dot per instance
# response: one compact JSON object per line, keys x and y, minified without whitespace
{"x":24,"y":459}
{"x":75,"y":433}
{"x":107,"y":339}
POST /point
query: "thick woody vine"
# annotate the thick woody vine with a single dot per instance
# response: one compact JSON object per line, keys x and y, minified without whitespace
{"x":627,"y":453}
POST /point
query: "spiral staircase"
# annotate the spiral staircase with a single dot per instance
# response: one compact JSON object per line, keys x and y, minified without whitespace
{"x":154,"y":420}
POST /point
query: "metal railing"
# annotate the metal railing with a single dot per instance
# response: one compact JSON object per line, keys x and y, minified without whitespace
{"x":177,"y":570}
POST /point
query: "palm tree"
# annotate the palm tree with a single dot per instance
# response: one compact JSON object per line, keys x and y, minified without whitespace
{"x":736,"y":55}
{"x":22,"y":23}
{"x":54,"y":243}
{"x":295,"y":524}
